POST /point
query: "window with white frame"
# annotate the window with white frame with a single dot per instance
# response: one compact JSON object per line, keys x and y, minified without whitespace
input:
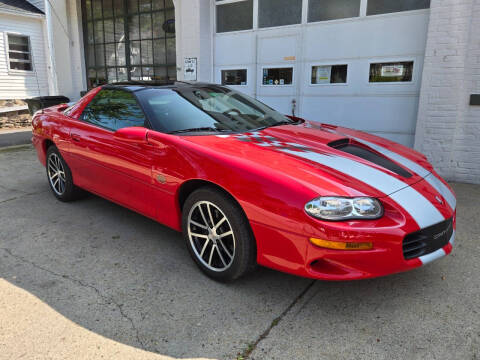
{"x":234,"y":77}
{"x":277,"y":76}
{"x":401,"y":71}
{"x":329,"y":74}
{"x":19,"y":54}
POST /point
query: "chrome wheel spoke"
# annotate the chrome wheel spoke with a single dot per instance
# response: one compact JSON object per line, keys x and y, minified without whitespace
{"x":199,"y":235}
{"x":210,"y":215}
{"x":221,"y":257}
{"x":211,"y":256}
{"x":217,"y":225}
{"x":52,"y":167}
{"x":204,"y":247}
{"x":198,"y":225}
{"x":201,"y":213}
{"x":224,"y":248}
{"x":225,"y":234}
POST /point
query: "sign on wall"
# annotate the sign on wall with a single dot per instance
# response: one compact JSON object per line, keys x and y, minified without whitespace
{"x":190,"y":69}
{"x":393,"y":70}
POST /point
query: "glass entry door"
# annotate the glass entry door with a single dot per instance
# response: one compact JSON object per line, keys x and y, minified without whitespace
{"x":129,"y":40}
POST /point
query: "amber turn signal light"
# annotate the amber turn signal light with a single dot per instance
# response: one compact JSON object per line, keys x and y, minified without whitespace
{"x":340,"y":245}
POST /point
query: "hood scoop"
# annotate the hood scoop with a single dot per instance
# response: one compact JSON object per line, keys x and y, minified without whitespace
{"x":360,"y":150}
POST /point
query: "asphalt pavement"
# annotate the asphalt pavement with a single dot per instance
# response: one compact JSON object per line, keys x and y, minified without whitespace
{"x":129,"y":287}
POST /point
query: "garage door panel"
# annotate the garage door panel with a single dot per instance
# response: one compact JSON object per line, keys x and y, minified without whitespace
{"x":275,"y":49}
{"x":387,"y":114}
{"x":371,"y":36}
{"x":242,"y":52}
{"x":282,"y":104}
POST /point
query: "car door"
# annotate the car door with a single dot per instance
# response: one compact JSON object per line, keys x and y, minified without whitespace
{"x":103,"y":164}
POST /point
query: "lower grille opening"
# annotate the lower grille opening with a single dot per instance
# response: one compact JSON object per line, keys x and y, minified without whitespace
{"x":427,"y":240}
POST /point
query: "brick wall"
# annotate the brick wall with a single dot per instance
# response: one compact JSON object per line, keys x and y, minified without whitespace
{"x":448,"y":128}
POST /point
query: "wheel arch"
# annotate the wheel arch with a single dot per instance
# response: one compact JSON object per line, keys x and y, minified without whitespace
{"x":46,"y":144}
{"x":190,"y":186}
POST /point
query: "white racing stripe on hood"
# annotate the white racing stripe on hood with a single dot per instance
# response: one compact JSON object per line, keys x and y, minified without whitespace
{"x":420,"y":208}
{"x":409,"y":164}
{"x":420,"y":170}
{"x":443,"y":190}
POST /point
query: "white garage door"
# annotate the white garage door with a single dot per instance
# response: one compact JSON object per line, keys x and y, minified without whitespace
{"x":355,"y":63}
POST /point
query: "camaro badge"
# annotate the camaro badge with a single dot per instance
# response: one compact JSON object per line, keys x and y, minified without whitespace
{"x":438,"y":199}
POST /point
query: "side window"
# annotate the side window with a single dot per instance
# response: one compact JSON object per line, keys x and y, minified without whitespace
{"x":113,"y":110}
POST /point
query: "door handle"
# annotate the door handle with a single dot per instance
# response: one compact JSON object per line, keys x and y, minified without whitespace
{"x":75,"y":137}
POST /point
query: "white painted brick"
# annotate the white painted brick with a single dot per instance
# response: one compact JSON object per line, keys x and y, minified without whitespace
{"x":448,"y":128}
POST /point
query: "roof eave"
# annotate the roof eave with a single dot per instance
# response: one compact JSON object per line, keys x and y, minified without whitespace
{"x":22,"y":13}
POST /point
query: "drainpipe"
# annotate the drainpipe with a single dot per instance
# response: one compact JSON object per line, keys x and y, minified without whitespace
{"x":51,"y":50}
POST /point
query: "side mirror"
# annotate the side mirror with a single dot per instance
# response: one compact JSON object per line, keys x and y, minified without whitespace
{"x":132,"y":135}
{"x":62,"y":107}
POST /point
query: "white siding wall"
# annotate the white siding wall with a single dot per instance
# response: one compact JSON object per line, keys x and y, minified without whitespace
{"x":17,"y":85}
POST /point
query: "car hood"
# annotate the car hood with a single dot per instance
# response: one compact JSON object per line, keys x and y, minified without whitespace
{"x":329,"y":159}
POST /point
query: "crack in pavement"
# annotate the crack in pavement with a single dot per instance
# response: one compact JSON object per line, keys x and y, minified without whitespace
{"x":252,"y":346}
{"x":22,"y":196}
{"x":105,"y":298}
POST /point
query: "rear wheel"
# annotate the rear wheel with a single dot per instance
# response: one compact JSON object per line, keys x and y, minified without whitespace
{"x":60,"y":177}
{"x":218,"y":235}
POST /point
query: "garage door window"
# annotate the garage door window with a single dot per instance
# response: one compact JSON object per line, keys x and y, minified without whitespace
{"x":321,"y":10}
{"x":19,"y":55}
{"x":329,"y":74}
{"x":375,"y":7}
{"x":235,"y":16}
{"x":391,"y":72}
{"x":279,"y":12}
{"x":277,"y":76}
{"x":234,"y":77}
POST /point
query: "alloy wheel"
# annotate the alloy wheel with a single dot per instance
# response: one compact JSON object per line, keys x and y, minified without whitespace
{"x":211,"y":236}
{"x":56,"y":174}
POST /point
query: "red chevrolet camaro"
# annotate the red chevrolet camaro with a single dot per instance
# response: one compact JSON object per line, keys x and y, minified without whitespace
{"x":247,"y":185}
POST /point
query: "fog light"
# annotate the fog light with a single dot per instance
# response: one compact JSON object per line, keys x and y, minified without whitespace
{"x":340,"y":245}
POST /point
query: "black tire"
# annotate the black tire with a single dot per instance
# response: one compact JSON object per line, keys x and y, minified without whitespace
{"x":244,"y":248}
{"x":69,"y":191}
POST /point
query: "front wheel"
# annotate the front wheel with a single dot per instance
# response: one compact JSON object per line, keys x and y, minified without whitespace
{"x":218,"y":235}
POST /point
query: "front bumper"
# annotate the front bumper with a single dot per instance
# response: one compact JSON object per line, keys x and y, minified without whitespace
{"x":288,"y":248}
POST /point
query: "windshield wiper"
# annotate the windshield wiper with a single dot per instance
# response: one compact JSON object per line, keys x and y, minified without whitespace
{"x":199,"y":129}
{"x":280,"y":123}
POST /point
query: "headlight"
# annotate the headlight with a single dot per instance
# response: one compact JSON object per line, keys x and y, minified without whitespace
{"x":340,"y":208}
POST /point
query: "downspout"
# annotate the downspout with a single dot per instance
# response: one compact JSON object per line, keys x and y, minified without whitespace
{"x":53,"y":87}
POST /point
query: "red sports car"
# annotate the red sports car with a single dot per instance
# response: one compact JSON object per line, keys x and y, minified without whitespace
{"x":247,"y":185}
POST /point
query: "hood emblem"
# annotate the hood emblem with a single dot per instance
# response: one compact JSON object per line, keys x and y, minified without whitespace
{"x":438,"y":199}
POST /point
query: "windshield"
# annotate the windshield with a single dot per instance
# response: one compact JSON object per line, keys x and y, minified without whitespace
{"x":206,"y":109}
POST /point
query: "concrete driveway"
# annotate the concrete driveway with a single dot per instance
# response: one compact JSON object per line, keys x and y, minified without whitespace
{"x":128,"y":282}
